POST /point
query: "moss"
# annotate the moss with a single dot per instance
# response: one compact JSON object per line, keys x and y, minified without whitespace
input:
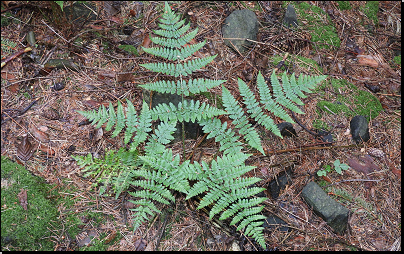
{"x":320,"y":125}
{"x":371,"y":8}
{"x":351,"y":101}
{"x":397,"y":59}
{"x":25,"y":229}
{"x":344,"y":5}
{"x":322,"y":30}
{"x":304,"y":63}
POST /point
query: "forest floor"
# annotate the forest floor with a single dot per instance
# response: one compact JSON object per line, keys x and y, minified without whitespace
{"x":366,"y":53}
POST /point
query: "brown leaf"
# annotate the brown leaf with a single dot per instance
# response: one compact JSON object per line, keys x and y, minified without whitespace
{"x":40,"y":135}
{"x":146,"y":41}
{"x":140,"y":244}
{"x":364,"y":164}
{"x":367,"y":60}
{"x":22,"y":197}
{"x":25,"y":150}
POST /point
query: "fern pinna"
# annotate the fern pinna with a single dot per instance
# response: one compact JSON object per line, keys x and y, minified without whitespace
{"x":156,"y":172}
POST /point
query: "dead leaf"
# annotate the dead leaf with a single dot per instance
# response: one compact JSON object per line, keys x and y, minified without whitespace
{"x":23,"y":198}
{"x":364,"y":164}
{"x":367,"y":60}
{"x":146,"y":41}
{"x":25,"y":150}
{"x":46,"y":149}
{"x":140,"y":244}
{"x":40,"y":135}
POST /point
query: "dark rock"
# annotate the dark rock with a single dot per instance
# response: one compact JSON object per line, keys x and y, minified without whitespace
{"x":325,"y":136}
{"x":81,"y":13}
{"x":273,"y":222}
{"x":286,"y":129}
{"x":192,"y":130}
{"x":280,"y":182}
{"x":359,"y":129}
{"x":290,"y":17}
{"x":240,"y":24}
{"x":335,"y":214}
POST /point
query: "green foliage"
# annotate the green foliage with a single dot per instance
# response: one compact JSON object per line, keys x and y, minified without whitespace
{"x":338,"y":167}
{"x":25,"y":230}
{"x":371,"y":8}
{"x":116,"y":169}
{"x":156,"y":172}
{"x":7,"y":47}
{"x":130,"y":49}
{"x":397,"y":59}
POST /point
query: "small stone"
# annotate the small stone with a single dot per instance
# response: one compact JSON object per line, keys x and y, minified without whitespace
{"x":290,"y":16}
{"x":242,"y":24}
{"x":359,"y":129}
{"x":286,"y":129}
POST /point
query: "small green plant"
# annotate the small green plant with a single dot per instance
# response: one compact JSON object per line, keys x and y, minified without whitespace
{"x":338,"y":167}
{"x":397,"y":59}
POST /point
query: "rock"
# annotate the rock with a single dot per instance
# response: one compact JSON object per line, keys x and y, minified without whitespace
{"x":280,"y":182}
{"x":271,"y":220}
{"x":335,"y":214}
{"x":359,"y":129}
{"x":240,"y":24}
{"x":286,"y":129}
{"x":290,"y":17}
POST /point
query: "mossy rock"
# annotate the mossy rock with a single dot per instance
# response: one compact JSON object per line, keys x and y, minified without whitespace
{"x":25,"y":229}
{"x":350,"y":101}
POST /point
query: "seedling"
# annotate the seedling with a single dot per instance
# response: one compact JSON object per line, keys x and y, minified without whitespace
{"x":338,"y":167}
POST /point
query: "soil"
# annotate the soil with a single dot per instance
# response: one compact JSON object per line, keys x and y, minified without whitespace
{"x":99,"y":70}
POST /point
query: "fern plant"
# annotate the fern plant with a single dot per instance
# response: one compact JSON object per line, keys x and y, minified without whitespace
{"x":156,"y":172}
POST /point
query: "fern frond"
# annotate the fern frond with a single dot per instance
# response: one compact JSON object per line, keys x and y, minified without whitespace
{"x":172,"y":30}
{"x":145,"y":208}
{"x":142,"y":127}
{"x":120,"y":120}
{"x":177,"y":42}
{"x":279,"y":95}
{"x":187,"y":111}
{"x":171,"y":172}
{"x":226,"y":137}
{"x":182,"y":87}
{"x":270,"y":104}
{"x":179,"y":69}
{"x":255,"y":110}
{"x":240,"y":120}
{"x":175,"y":54}
{"x":231,"y":195}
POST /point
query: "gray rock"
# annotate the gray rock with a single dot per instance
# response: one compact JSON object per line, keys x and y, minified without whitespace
{"x":335,"y":214}
{"x":359,"y":129}
{"x":290,"y":17}
{"x":240,"y":24}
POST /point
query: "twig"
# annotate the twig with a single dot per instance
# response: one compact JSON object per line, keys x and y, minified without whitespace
{"x":55,"y":31}
{"x":355,"y":180}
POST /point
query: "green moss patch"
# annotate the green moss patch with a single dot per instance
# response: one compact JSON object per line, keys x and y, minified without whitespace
{"x":371,"y":8}
{"x":350,"y":101}
{"x":319,"y":25}
{"x":25,"y":229}
{"x":397,"y":59}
